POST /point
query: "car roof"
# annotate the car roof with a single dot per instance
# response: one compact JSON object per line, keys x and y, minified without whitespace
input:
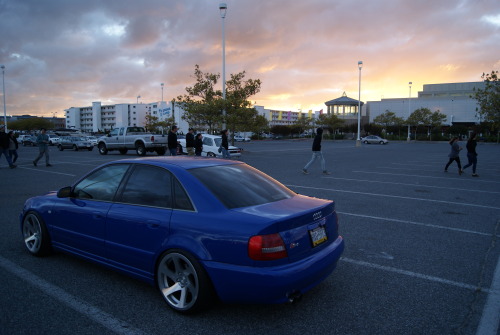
{"x":183,"y":162}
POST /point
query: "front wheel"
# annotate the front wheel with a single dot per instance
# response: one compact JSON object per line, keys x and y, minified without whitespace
{"x":36,"y":237}
{"x":211,"y":154}
{"x":102,"y":149}
{"x":183,"y":282}
{"x":60,"y":147}
{"x":140,"y":149}
{"x":382,"y":142}
{"x":75,"y":147}
{"x":365,"y":142}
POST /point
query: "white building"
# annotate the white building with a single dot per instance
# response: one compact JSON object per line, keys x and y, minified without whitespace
{"x":454,"y":100}
{"x":98,"y":117}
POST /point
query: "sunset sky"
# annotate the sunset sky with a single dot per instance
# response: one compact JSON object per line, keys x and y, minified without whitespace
{"x":69,"y":53}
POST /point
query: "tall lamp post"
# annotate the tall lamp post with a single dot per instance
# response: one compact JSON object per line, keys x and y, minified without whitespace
{"x":162,"y":91}
{"x":358,"y":140}
{"x":223,"y":10}
{"x":4,"y":106}
{"x":409,"y":112}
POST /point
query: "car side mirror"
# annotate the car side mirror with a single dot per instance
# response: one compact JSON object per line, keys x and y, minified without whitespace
{"x":64,"y":192}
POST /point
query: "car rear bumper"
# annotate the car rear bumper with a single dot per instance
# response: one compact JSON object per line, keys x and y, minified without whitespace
{"x":275,"y":284}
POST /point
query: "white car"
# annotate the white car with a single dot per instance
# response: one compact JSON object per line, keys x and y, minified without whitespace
{"x":211,"y":144}
{"x":91,"y":139}
{"x":239,"y":138}
{"x":373,"y":139}
{"x":54,"y":139}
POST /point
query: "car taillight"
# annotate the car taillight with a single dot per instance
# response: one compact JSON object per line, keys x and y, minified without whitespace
{"x":152,"y":139}
{"x":266,"y":247}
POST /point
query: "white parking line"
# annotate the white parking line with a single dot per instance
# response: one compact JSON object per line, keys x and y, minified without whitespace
{"x":45,"y":171}
{"x":419,"y":275}
{"x":406,"y":184}
{"x":106,"y":320}
{"x":416,"y":223}
{"x":416,"y":175}
{"x":397,"y":196}
{"x":490,"y":318}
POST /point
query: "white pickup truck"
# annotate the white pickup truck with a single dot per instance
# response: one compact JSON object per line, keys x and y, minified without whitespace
{"x":132,"y":138}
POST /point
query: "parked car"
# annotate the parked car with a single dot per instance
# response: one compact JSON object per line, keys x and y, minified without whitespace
{"x":211,"y":144}
{"x":53,"y":139}
{"x":374,"y":139}
{"x":196,"y":228}
{"x":132,"y":138}
{"x":74,"y":142}
{"x":29,"y":141}
{"x":239,"y":138}
{"x":92,"y":139}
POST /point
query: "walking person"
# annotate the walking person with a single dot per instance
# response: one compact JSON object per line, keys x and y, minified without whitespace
{"x":172,"y":141}
{"x":42,"y":141}
{"x":190,"y":142}
{"x":225,"y":145}
{"x":13,"y":146}
{"x":472,"y":154}
{"x":198,"y":145}
{"x":316,"y":153}
{"x":4,"y":146}
{"x":454,"y":155}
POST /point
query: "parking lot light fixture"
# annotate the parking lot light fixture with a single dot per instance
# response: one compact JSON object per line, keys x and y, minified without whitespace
{"x":223,"y":11}
{"x":4,"y":105}
{"x":409,"y":111}
{"x":358,"y":140}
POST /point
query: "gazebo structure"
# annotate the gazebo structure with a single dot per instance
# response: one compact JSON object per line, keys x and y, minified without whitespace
{"x":346,"y":109}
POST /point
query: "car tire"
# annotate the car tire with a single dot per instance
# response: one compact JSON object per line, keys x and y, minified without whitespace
{"x":60,"y":147}
{"x":123,"y":151}
{"x":211,"y":154}
{"x":382,"y":142}
{"x":75,"y":147}
{"x":183,"y":282}
{"x":102,"y":149}
{"x":365,"y":142}
{"x":140,"y":149}
{"x":35,"y":234}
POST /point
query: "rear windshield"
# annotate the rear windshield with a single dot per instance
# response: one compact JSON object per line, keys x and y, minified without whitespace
{"x":240,"y":185}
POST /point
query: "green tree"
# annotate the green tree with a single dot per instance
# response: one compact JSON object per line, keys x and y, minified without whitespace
{"x":33,"y":123}
{"x":420,"y":117}
{"x":489,"y":101}
{"x":204,"y":104}
{"x":436,"y":121}
{"x":155,"y":126}
{"x":331,"y":121}
{"x":389,"y":120}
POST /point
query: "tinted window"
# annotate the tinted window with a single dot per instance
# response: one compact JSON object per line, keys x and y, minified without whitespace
{"x":101,"y":184}
{"x":114,"y":132}
{"x":149,"y":186}
{"x":182,"y":200}
{"x":207,"y":141}
{"x":241,"y":185}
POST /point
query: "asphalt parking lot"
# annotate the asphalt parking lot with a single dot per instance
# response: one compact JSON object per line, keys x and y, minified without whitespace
{"x":421,"y":257}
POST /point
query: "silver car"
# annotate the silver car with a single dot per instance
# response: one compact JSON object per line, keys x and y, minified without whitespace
{"x":374,"y":139}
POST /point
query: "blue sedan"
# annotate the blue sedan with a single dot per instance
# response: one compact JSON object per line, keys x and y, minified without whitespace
{"x":197,"y":228}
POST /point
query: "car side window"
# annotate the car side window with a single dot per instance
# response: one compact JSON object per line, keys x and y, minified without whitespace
{"x":101,"y":184}
{"x":207,"y":141}
{"x":121,"y":131}
{"x":148,"y":186}
{"x":114,"y":132}
{"x":182,"y":200}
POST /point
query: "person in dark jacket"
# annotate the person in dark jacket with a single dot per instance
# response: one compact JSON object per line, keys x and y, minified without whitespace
{"x":225,"y":145}
{"x":198,"y":145}
{"x":172,"y":141}
{"x":316,"y":153}
{"x":4,"y":146}
{"x":454,"y":155}
{"x":13,"y":146}
{"x":190,"y":142}
{"x":472,"y":154}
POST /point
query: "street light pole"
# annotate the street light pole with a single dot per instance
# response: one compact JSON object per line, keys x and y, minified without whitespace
{"x":409,"y":112}
{"x":4,"y":105}
{"x":223,"y":10}
{"x":358,"y":140}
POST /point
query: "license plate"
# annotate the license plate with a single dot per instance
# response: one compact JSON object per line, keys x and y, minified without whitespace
{"x":318,"y":235}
